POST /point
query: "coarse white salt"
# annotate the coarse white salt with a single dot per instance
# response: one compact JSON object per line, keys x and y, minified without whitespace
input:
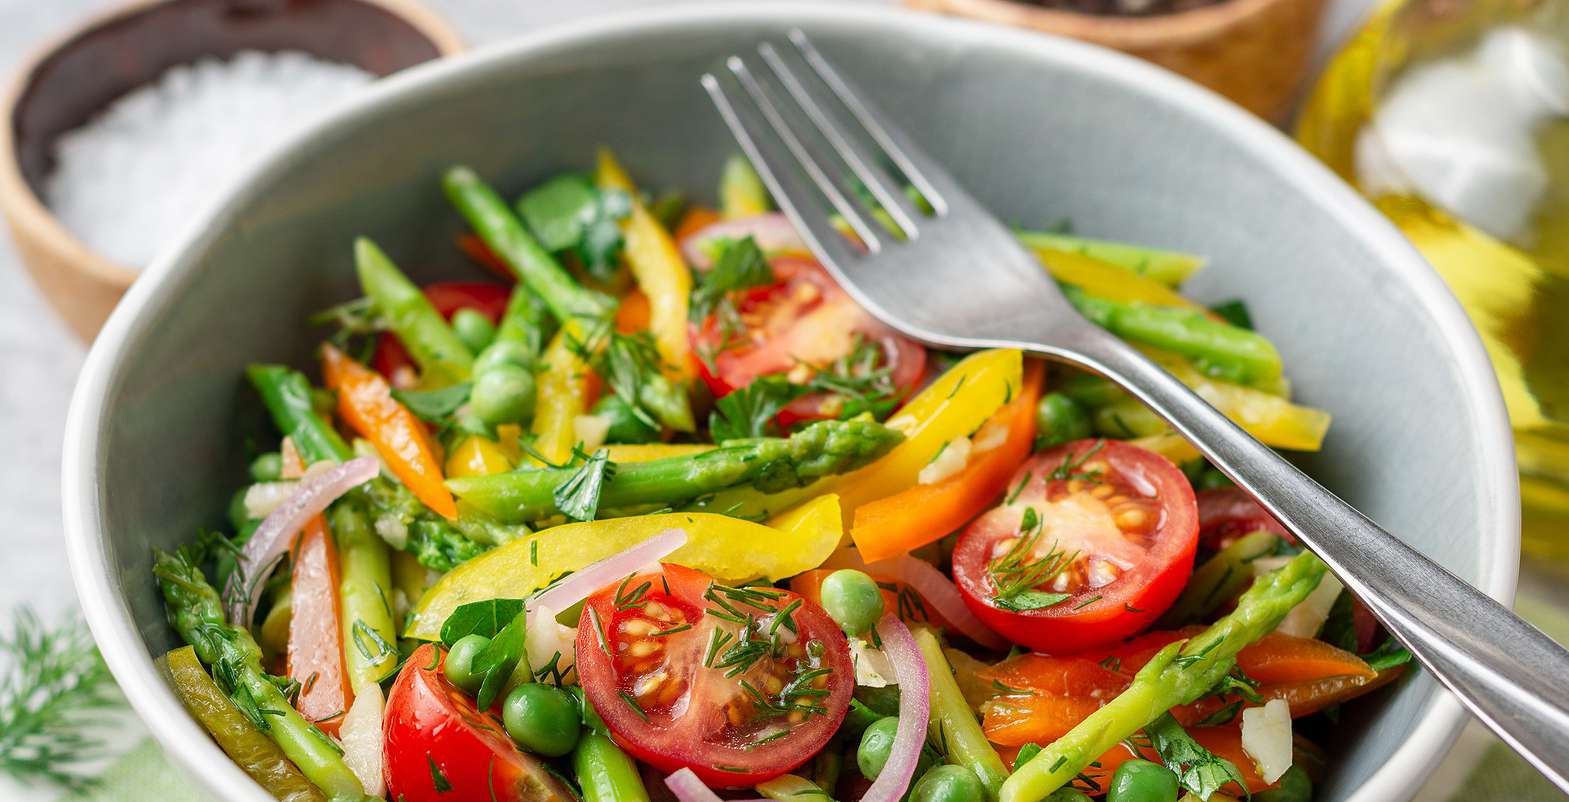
{"x":130,"y":180}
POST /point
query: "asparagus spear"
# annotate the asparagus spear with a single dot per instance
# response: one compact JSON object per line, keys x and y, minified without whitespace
{"x":1237,"y":354}
{"x":365,"y":591}
{"x":443,"y":359}
{"x":767,"y":464}
{"x":953,"y":722}
{"x":524,"y":324}
{"x":196,"y":612}
{"x":605,"y":772}
{"x":438,"y":544}
{"x":501,"y":230}
{"x":1176,"y":675}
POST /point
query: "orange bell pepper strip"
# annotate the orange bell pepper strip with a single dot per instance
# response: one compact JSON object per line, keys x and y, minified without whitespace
{"x":1046,"y":696}
{"x":315,"y":648}
{"x":696,"y":219}
{"x":1224,"y":742}
{"x":633,"y":314}
{"x":910,"y":519}
{"x":365,"y":401}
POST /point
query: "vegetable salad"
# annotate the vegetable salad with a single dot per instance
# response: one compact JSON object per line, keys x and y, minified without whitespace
{"x":657,"y":511}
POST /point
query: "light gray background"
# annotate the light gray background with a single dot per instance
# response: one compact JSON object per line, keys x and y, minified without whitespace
{"x":39,"y":358}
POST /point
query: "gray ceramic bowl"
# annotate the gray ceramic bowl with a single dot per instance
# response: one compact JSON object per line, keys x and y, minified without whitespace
{"x":1040,"y":129}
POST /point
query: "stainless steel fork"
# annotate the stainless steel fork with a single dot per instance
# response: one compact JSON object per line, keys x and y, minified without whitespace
{"x":954,"y":277}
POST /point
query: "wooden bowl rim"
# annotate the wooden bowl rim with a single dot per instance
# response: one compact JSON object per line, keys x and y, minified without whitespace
{"x":1122,"y":32}
{"x":26,"y":209}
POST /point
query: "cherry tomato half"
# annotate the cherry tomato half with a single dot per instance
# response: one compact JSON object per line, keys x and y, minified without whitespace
{"x":1093,"y":542}
{"x":438,"y":748}
{"x":392,"y":359}
{"x":802,"y":318}
{"x":739,"y":685}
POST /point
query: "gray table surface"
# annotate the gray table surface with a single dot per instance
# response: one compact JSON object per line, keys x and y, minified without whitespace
{"x":39,"y":358}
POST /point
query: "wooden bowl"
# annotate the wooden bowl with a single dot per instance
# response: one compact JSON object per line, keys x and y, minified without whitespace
{"x":1255,"y":52}
{"x":71,"y":79}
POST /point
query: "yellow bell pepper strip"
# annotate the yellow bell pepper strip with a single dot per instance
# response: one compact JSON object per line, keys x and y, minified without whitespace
{"x":953,"y":406}
{"x":729,"y":549}
{"x":1170,"y":268}
{"x":741,"y":192}
{"x":1108,"y":281}
{"x":1268,"y":417}
{"x":660,"y":271}
{"x":565,"y":392}
{"x":921,"y":514}
{"x":443,"y":358}
{"x":477,"y":456}
{"x":365,"y":401}
{"x":248,"y":747}
{"x":953,"y":723}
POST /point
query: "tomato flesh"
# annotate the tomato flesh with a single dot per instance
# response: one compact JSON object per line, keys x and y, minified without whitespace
{"x":801,"y":323}
{"x":489,"y":299}
{"x":437,"y":747}
{"x":681,"y":684}
{"x":1112,"y":530}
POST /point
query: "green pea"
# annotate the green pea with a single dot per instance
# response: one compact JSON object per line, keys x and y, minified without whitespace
{"x":1067,"y":795}
{"x":504,"y":394}
{"x":876,"y":743}
{"x":543,"y":719}
{"x":853,"y":600}
{"x":474,"y":329}
{"x":948,"y":783}
{"x":1142,"y":781}
{"x":505,"y":352}
{"x":625,"y":425}
{"x":460,"y":662}
{"x":1059,"y":419}
{"x":268,"y":467}
{"x":1294,"y":787}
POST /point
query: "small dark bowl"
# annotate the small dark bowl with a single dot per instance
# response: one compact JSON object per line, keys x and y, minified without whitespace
{"x":71,"y":79}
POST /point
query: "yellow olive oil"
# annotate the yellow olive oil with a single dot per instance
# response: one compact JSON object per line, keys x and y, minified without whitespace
{"x":1452,"y":116}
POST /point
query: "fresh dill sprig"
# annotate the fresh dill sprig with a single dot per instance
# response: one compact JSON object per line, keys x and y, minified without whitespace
{"x":55,"y":688}
{"x":1018,"y":572}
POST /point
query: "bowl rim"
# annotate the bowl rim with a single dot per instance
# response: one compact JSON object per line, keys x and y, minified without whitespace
{"x":1438,"y":723}
{"x":1176,"y":29}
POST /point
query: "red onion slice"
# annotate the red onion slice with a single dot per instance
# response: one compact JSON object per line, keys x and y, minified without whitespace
{"x":274,"y":537}
{"x":941,"y":593}
{"x":771,"y":231}
{"x":688,"y":788}
{"x":909,"y":670}
{"x":578,"y":585}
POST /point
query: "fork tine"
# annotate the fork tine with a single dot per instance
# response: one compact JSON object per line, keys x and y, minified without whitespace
{"x":799,"y":199}
{"x":870,"y":173}
{"x":900,"y":149}
{"x":825,"y":184}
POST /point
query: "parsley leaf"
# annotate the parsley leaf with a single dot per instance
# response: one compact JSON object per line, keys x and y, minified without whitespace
{"x":479,"y":618}
{"x":1198,"y":770}
{"x":740,"y":265}
{"x":1387,"y":656}
{"x":1030,"y":600}
{"x":578,"y":496}
{"x":434,"y":406}
{"x":749,"y":412}
{"x":498,"y":660}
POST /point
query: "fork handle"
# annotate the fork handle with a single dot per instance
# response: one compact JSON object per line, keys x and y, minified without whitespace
{"x":1506,"y":671}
